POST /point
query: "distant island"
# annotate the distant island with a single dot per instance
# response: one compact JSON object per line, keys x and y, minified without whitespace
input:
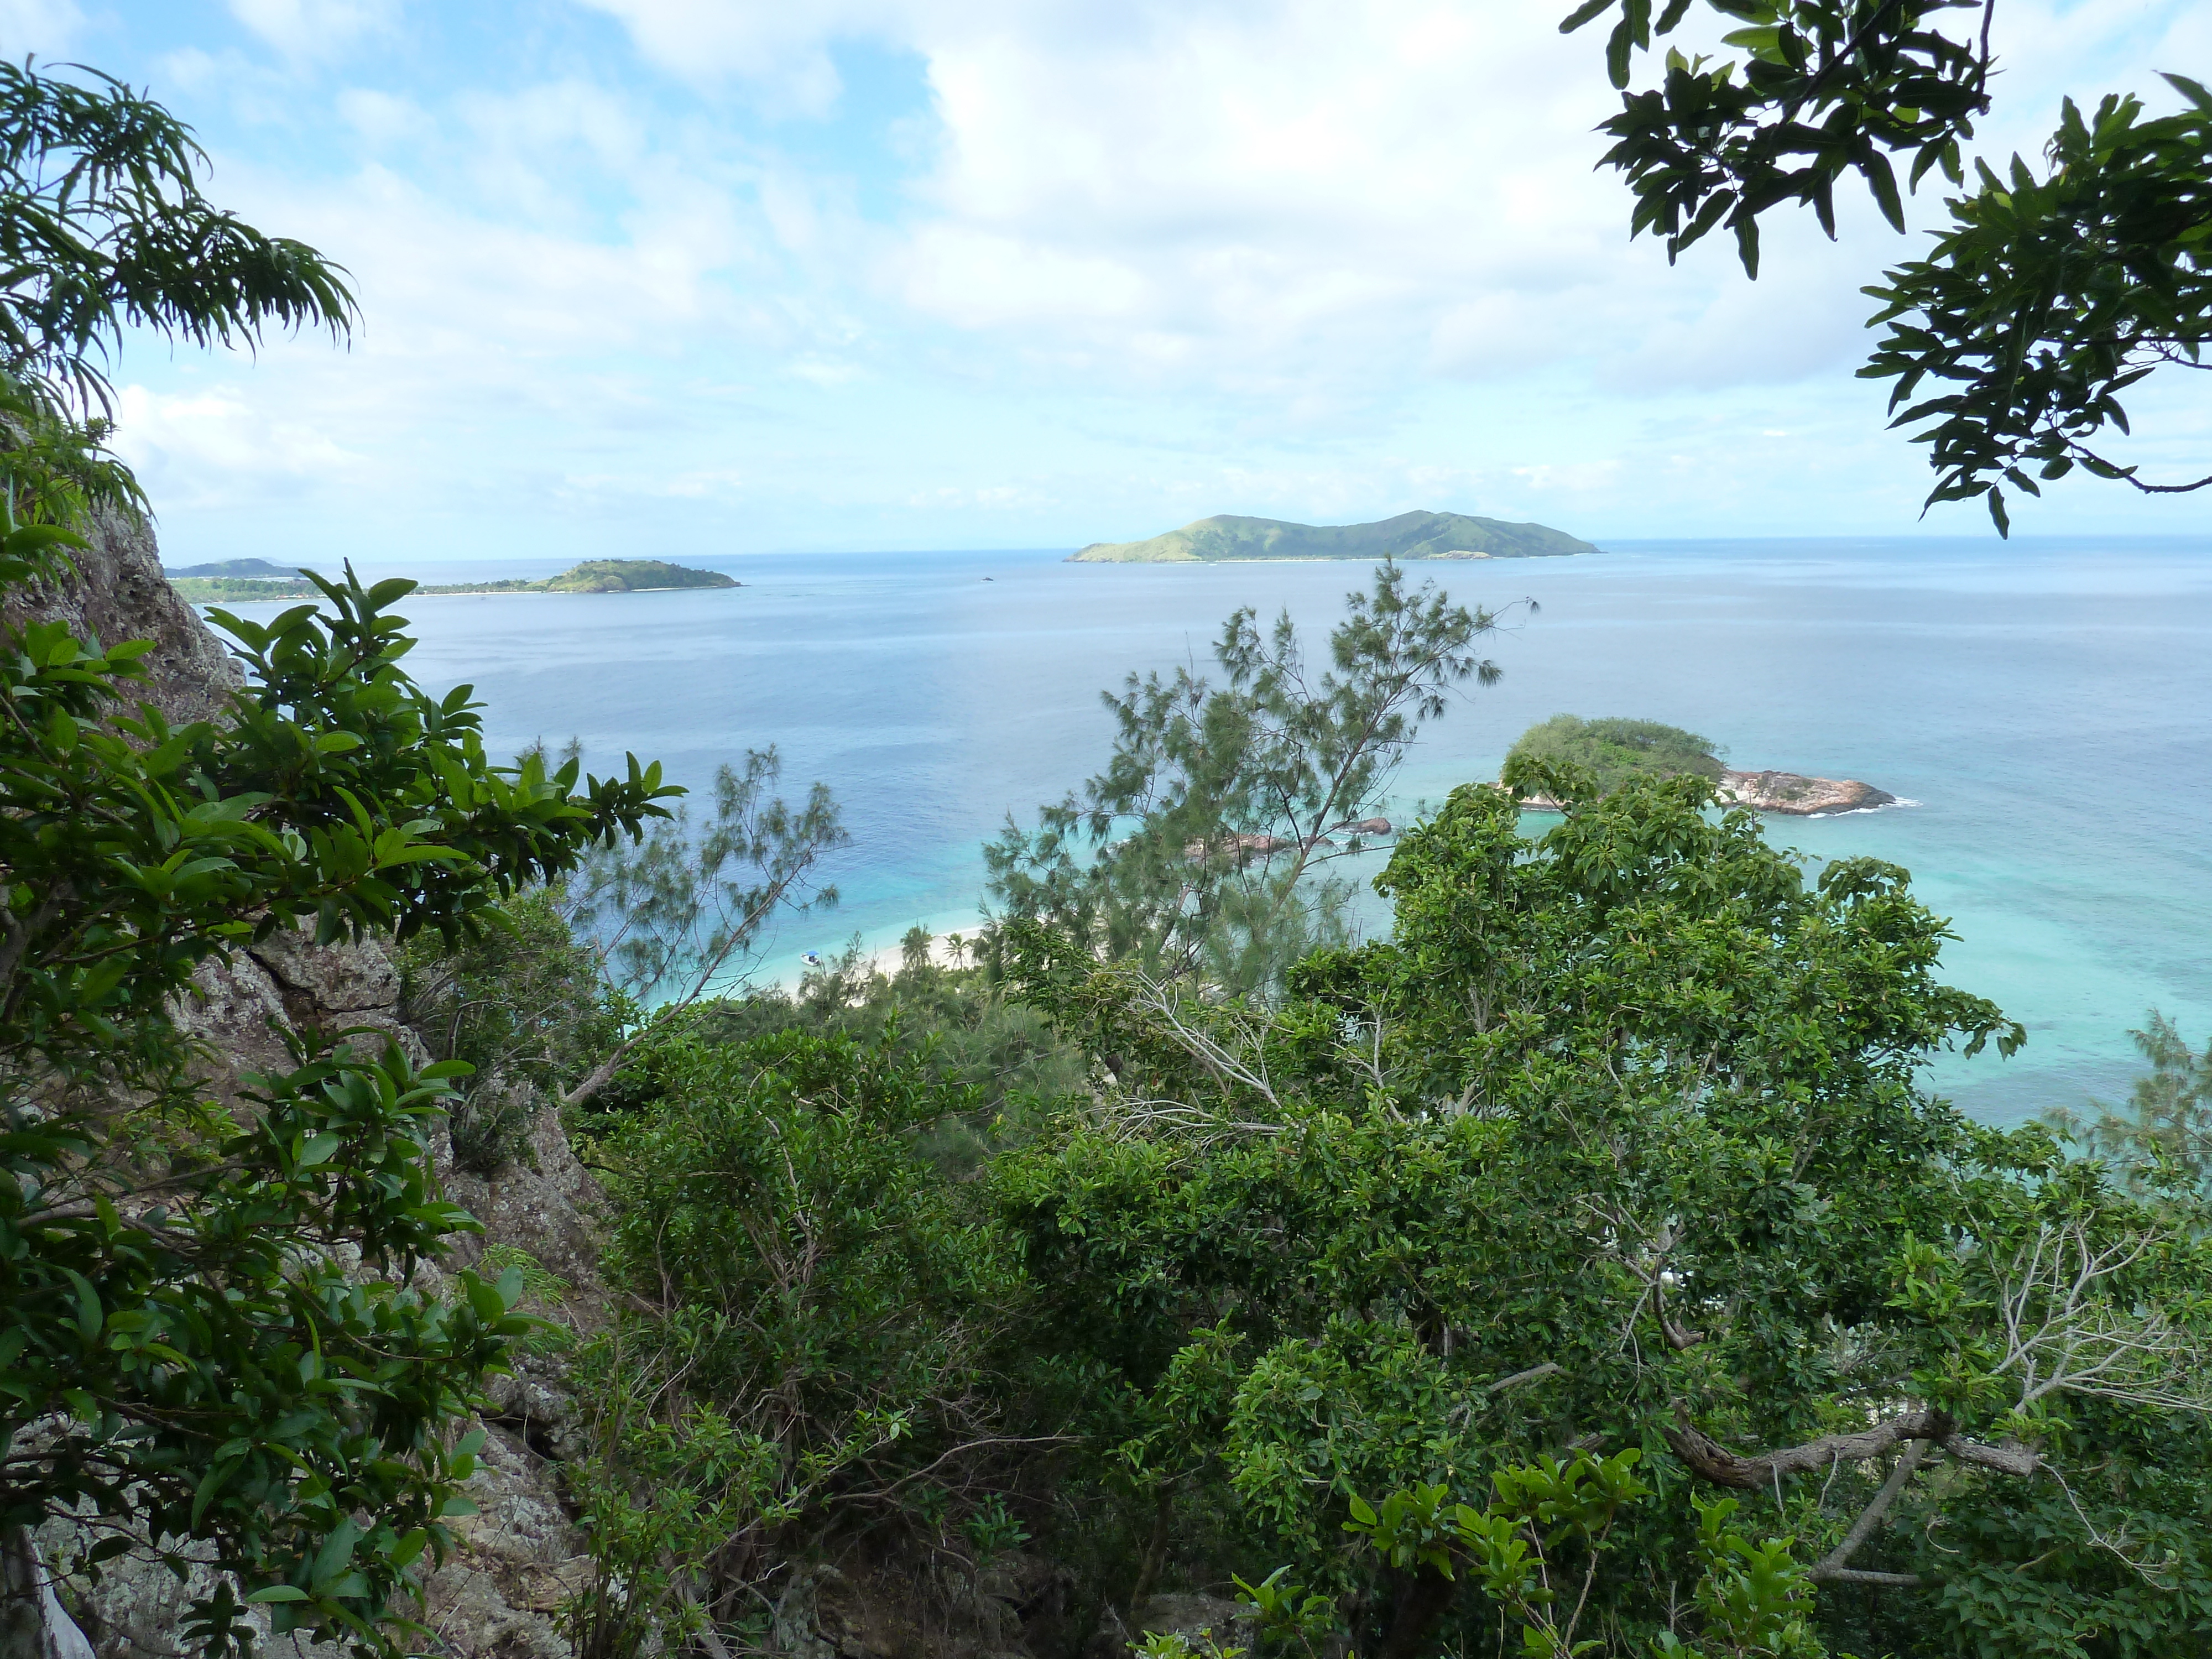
{"x":233,"y":582}
{"x":248,"y":568}
{"x":1615,"y":751}
{"x":1409,"y":536}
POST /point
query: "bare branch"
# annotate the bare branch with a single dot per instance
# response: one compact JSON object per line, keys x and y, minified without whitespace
{"x":1723,"y":1467}
{"x":2068,"y":1332}
{"x":1832,"y":1565}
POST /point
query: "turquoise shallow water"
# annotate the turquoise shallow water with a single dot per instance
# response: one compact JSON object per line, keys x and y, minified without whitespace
{"x":2048,"y":704}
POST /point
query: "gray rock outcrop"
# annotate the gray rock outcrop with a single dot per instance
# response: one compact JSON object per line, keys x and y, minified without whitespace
{"x":1797,"y":796}
{"x":118,"y":592}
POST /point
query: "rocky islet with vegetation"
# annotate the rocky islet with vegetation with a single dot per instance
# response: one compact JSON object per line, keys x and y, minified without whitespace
{"x":229,"y":583}
{"x":1612,"y":751}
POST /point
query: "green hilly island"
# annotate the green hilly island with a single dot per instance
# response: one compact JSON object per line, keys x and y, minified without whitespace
{"x":239,"y":569}
{"x":1409,"y":536}
{"x":231,"y":583}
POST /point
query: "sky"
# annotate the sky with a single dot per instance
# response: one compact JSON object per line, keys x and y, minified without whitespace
{"x":703,"y":277}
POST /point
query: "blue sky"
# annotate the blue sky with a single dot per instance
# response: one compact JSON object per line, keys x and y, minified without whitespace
{"x":695,"y":277}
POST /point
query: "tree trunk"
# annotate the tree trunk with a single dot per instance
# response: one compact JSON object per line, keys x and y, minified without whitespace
{"x":32,"y":1623}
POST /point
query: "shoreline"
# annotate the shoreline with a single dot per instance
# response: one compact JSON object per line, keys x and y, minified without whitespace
{"x":1337,"y":558}
{"x":471,"y":594}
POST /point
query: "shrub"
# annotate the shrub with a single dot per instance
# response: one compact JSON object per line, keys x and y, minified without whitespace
{"x":812,"y":1315}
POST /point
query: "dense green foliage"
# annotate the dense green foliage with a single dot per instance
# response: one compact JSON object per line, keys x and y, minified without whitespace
{"x":813,"y":1314}
{"x":1616,"y":1148}
{"x":1610,"y":751}
{"x":2044,"y":299}
{"x":179,"y":1318}
{"x":960,"y":1024}
{"x":523,"y":1005}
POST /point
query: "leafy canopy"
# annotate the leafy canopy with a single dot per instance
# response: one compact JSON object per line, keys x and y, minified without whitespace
{"x":103,"y":228}
{"x":2044,"y":299}
{"x":1195,"y":852}
{"x":1619,"y":1144}
{"x":807,"y":1329}
{"x":177,"y":1312}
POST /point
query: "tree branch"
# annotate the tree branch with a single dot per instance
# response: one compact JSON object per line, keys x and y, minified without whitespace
{"x":1833,"y":1563}
{"x":1713,"y":1462}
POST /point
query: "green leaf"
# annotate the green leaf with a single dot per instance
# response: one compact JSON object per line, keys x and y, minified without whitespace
{"x":89,"y":1317}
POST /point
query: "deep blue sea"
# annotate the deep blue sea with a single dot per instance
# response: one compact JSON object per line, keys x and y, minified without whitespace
{"x":2047,"y":704}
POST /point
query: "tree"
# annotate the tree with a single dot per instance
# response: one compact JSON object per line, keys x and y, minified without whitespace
{"x":1619,"y":1144}
{"x":2165,"y":1127}
{"x":103,"y":228}
{"x":187,"y":1355}
{"x":1195,"y":850}
{"x":675,"y":919}
{"x":2042,"y":301}
{"x":807,"y":1336}
{"x":527,"y":1006}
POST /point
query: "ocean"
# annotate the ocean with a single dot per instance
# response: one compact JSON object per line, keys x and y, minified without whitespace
{"x":2046,"y":705}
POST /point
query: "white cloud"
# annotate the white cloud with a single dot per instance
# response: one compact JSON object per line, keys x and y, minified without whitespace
{"x":44,"y":27}
{"x":824,"y":372}
{"x":1307,"y":261}
{"x":217,"y":447}
{"x":1580,"y":478}
{"x":314,"y":31}
{"x":382,"y":118}
{"x":782,"y":49}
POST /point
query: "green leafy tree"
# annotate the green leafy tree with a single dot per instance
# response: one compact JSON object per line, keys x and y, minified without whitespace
{"x":1619,"y":1144}
{"x":185,"y":1355}
{"x":103,"y":228}
{"x":1522,"y":1548}
{"x":526,"y":1005}
{"x":964,"y":1026}
{"x":2046,"y":297}
{"x":675,"y":918}
{"x":1199,"y":850}
{"x":2165,"y":1126}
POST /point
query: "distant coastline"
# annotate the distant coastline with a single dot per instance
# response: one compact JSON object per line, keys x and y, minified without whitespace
{"x":239,"y":581}
{"x":1409,"y":536}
